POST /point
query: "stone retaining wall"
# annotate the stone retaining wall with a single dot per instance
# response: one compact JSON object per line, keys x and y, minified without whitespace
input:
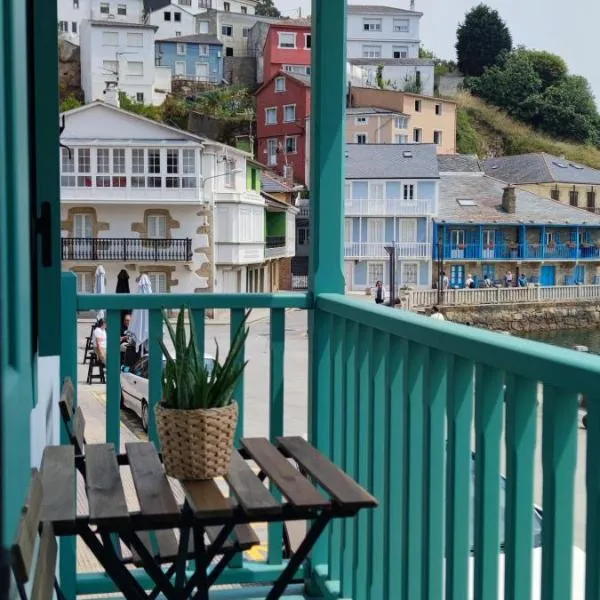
{"x":527,"y":317}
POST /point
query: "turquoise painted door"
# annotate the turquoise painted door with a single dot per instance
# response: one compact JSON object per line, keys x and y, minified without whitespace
{"x":580,"y":274}
{"x":457,"y":276}
{"x":548,"y":275}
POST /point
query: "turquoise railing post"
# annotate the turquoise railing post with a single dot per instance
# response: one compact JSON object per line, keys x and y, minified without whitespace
{"x":276,"y":415}
{"x":326,"y":182}
{"x":521,"y":412}
{"x":458,"y":480}
{"x":68,"y":368}
{"x":155,"y":365}
{"x":489,"y":396}
{"x":592,"y":481}
{"x":113,"y":382}
{"x":559,"y":457}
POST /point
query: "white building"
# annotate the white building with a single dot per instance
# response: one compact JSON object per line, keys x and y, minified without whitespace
{"x":121,"y":53}
{"x":173,"y":20}
{"x":71,"y":14}
{"x":145,"y":197}
{"x":246,"y":7}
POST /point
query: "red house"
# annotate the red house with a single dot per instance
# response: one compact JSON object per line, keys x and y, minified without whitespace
{"x":282,"y":106}
{"x":287,"y":48}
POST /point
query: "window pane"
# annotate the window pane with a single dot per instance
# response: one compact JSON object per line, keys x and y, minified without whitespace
{"x":83,"y":160}
{"x":189,"y":162}
{"x":138,"y":163}
{"x":68,"y":161}
{"x":154,"y":161}
{"x":102,"y":160}
{"x":157,"y":226}
{"x":360,"y":190}
{"x":172,"y":161}
{"x":119,"y":160}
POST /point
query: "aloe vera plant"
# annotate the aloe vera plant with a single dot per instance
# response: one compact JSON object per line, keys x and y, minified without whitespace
{"x":186,"y":382}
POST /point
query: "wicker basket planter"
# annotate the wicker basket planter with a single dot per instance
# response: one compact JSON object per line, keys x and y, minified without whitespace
{"x":196,"y":444}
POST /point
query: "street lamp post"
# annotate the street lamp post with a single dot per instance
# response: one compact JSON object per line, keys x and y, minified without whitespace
{"x":391,"y":250}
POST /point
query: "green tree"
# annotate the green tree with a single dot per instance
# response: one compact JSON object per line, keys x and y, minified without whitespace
{"x":69,"y":103}
{"x":481,"y":39}
{"x":551,"y":69}
{"x":267,"y":8}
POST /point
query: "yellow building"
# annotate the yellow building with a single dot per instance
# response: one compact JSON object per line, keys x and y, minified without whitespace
{"x":549,"y":176}
{"x":426,"y":119}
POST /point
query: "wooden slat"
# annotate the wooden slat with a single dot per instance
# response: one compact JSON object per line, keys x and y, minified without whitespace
{"x":24,"y":545}
{"x":106,"y":497}
{"x":151,"y":484}
{"x":67,"y":400}
{"x":43,"y":582}
{"x":78,"y":430}
{"x":167,"y":545}
{"x":296,"y":488}
{"x":249,"y":491}
{"x":243,"y":537}
{"x":206,"y":500}
{"x":58,"y":483}
{"x":343,"y":489}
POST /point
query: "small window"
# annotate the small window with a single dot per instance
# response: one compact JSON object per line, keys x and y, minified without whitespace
{"x":244,"y":10}
{"x":139,"y":97}
{"x":135,"y":40}
{"x":372,"y":24}
{"x":245,"y":32}
{"x":227,"y":30}
{"x":361,"y":138}
{"x":167,"y":15}
{"x":173,"y":161}
{"x":154,"y":161}
{"x":437,"y":137}
{"x":555,"y":194}
{"x":181,"y":49}
{"x":177,"y":17}
{"x":229,"y":174}
{"x":280,"y":84}
{"x":135,"y":68}
{"x":74,"y":26}
{"x":307,"y":41}
{"x":271,"y":116}
{"x":75,"y":3}
{"x":110,"y":38}
{"x":159,"y":285}
{"x":591,"y":200}
{"x":400,"y":51}
{"x":202,"y":50}
{"x":138,"y":162}
{"x":178,"y":34}
{"x":573,"y":197}
{"x":438,"y":109}
{"x":289,"y":113}
{"x":361,"y":120}
{"x":63,"y":26}
{"x":104,"y":8}
{"x":287,"y":39}
{"x":85,"y":282}
{"x":228,"y":51}
{"x":408,"y":191}
{"x":227,"y":6}
{"x":401,"y":138}
{"x":371,"y":51}
{"x":417,"y":135}
{"x":122,"y":10}
{"x":157,"y":226}
{"x":402,"y":25}
{"x":291,"y":144}
{"x":417,"y":106}
{"x":400,"y":122}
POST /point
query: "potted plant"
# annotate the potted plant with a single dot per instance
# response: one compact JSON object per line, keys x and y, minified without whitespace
{"x":461,"y":246}
{"x":197,"y":416}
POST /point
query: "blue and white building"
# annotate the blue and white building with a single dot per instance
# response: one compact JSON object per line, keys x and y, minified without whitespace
{"x":192,"y":57}
{"x":391,"y":197}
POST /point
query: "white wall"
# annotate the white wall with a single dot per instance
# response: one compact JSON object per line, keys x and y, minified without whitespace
{"x":386,"y":38}
{"x":134,"y":10}
{"x":172,"y":28}
{"x":100,"y":56}
{"x":234,"y":5}
{"x":399,"y":75}
{"x":73,"y":12}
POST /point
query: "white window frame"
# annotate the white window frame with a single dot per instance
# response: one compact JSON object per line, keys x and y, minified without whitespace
{"x":307,"y":36}
{"x":371,"y":51}
{"x":418,"y":105}
{"x":181,"y":49}
{"x":122,"y":10}
{"x":135,"y":40}
{"x":272,"y":156}
{"x":379,"y":265}
{"x":361,"y":120}
{"x":401,"y":123}
{"x":104,"y":8}
{"x":371,"y":24}
{"x":203,"y":50}
{"x":85,"y":282}
{"x":137,"y":63}
{"x":158,"y":280}
{"x":359,"y":136}
{"x":439,"y":110}
{"x":401,"y":25}
{"x":245,"y":31}
{"x":180,"y":67}
{"x":401,"y":138}
{"x":285,"y":109}
{"x":348,"y":230}
{"x":279,"y":85}
{"x":418,"y":137}
{"x":291,"y":137}
{"x":439,"y":135}
{"x":281,"y":35}
{"x":229,"y":179}
{"x":108,"y":37}
{"x":457,"y":237}
{"x":409,"y":191}
{"x":404,"y":268}
{"x":83,"y":225}
{"x":408,"y":228}
{"x":400,"y":50}
{"x":225,"y":28}
{"x":157,"y":227}
{"x":371,"y":230}
{"x":269,"y":111}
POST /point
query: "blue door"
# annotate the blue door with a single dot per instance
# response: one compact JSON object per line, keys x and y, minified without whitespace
{"x":548,"y":276}
{"x":457,"y":276}
{"x":580,"y":274}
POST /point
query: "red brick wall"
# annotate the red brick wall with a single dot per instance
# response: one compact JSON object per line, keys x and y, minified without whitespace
{"x":285,"y":273}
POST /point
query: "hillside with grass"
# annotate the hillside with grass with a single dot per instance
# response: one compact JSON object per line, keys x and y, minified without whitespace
{"x":485,"y":130}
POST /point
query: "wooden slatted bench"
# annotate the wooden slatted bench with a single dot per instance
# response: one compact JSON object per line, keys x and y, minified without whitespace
{"x":34,"y":573}
{"x":162,"y":544}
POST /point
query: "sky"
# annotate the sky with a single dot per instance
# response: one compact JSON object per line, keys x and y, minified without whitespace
{"x":569,"y":29}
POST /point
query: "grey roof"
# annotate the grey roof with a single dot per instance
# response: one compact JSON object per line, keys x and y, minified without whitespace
{"x":358,"y":9}
{"x":124,"y":24}
{"x":486,"y":192}
{"x":272,"y":184}
{"x":458,"y":163}
{"x":200,"y":38}
{"x":392,"y":62}
{"x":371,"y":110}
{"x":391,"y":161}
{"x":540,"y":168}
{"x":305,"y":79}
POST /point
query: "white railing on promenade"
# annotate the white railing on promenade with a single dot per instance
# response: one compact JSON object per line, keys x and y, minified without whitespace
{"x":472,"y":297}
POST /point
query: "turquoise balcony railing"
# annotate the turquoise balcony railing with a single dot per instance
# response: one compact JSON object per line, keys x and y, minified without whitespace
{"x":401,"y":402}
{"x":514,"y":251}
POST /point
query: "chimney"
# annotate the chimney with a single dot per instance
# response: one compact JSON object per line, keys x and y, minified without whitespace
{"x":509,"y":200}
{"x":412,"y":4}
{"x":111,"y":94}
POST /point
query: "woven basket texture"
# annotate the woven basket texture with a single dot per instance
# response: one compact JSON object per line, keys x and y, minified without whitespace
{"x":196,"y":444}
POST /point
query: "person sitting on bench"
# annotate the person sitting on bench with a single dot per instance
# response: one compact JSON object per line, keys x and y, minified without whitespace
{"x":99,"y":341}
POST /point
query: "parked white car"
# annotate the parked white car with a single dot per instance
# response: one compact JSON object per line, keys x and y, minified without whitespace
{"x":134,"y":386}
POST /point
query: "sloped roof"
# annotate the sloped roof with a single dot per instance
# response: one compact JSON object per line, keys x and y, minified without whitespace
{"x":358,"y":9}
{"x":458,"y":163}
{"x":540,"y":168}
{"x":486,"y":195}
{"x":391,"y":161}
{"x":199,"y":38}
{"x":392,"y":62}
{"x":273,"y":184}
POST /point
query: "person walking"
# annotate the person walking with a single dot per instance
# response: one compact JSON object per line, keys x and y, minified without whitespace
{"x":436,"y":314}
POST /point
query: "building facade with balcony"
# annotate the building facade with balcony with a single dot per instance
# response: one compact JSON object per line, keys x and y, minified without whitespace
{"x":282,"y":105}
{"x":549,"y":176}
{"x":390,"y":199}
{"x":287,"y":48}
{"x":484,"y":227}
{"x":145,"y":197}
{"x":197,"y":58}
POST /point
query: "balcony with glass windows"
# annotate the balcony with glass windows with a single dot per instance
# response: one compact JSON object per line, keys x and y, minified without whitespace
{"x":377,"y":250}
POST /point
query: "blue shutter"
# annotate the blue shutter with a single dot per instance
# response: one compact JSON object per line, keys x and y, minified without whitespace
{"x":573,"y":236}
{"x":557,"y":238}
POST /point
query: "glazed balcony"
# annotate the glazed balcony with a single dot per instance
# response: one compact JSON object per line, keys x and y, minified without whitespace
{"x":126,"y":249}
{"x":376,"y":250}
{"x":515,"y":251}
{"x":388,"y":207}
